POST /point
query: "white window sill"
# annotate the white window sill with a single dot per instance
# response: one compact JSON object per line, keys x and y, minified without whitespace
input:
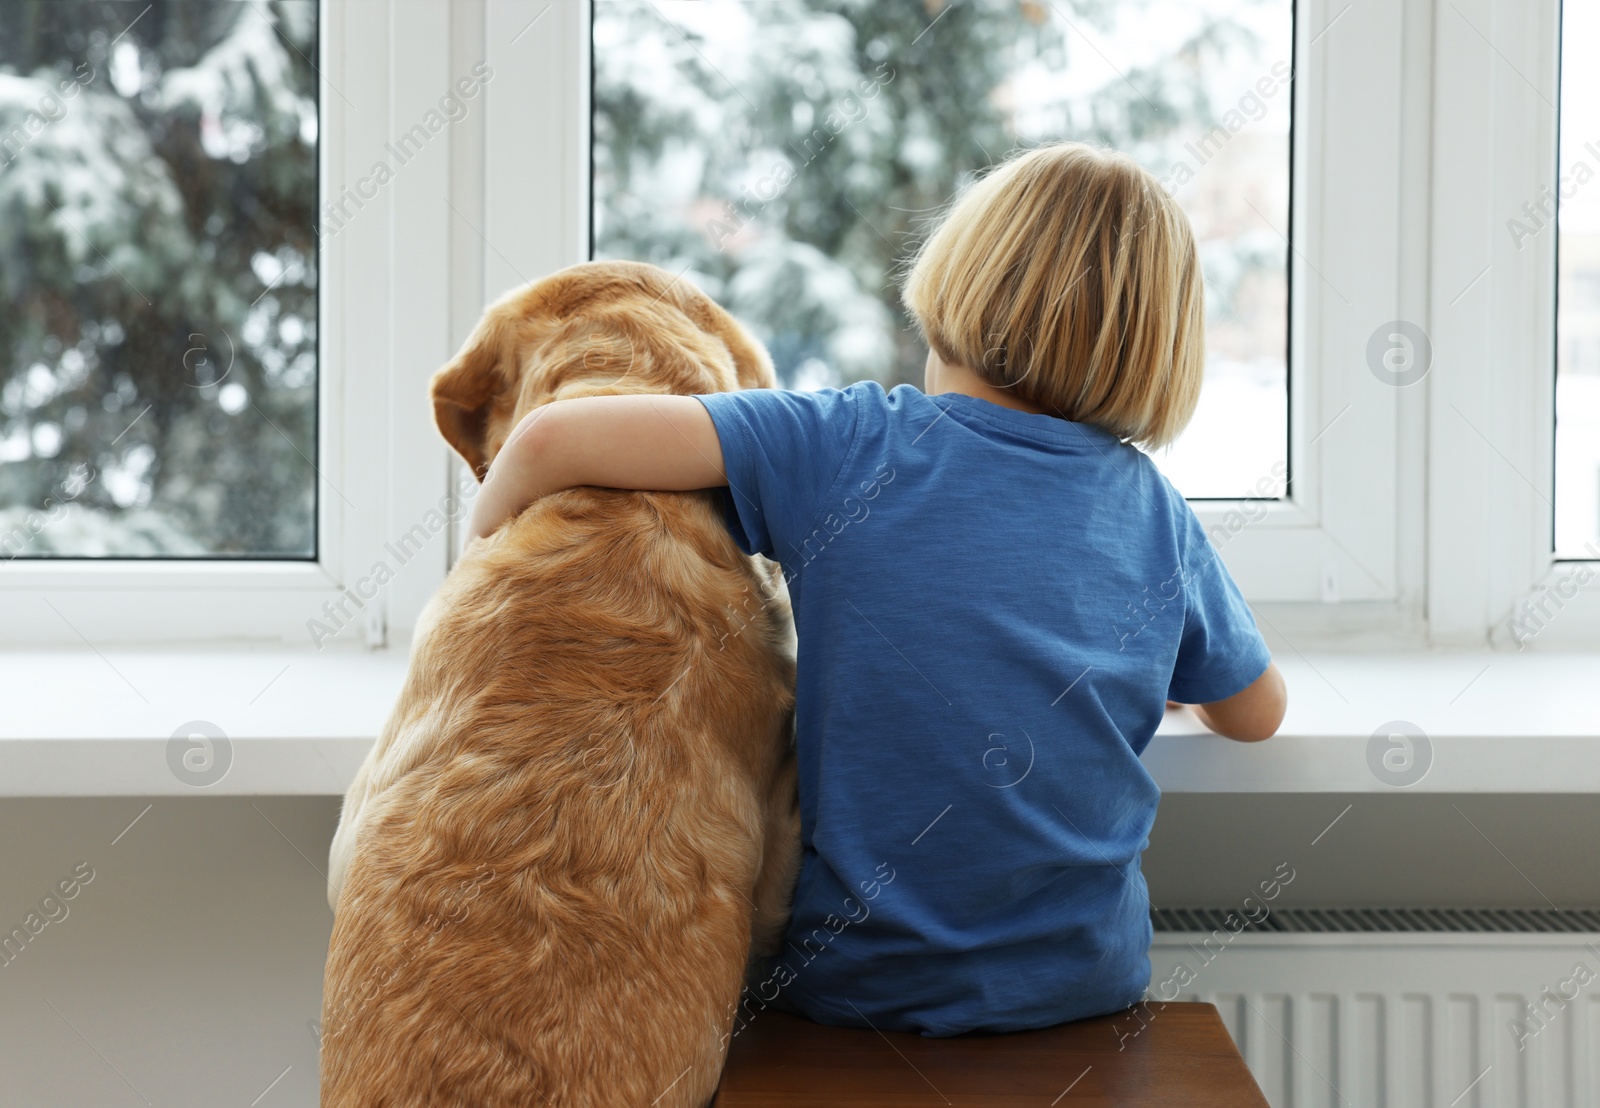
{"x":88,"y":723}
{"x":78,"y":723}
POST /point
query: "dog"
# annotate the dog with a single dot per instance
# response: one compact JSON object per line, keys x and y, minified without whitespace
{"x":580,"y":822}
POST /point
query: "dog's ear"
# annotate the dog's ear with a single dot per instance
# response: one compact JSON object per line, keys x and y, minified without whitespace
{"x":464,"y":393}
{"x":752,"y":365}
{"x":751,"y":362}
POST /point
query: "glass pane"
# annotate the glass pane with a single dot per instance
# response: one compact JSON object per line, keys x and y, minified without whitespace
{"x":789,"y":153}
{"x":1578,"y":286}
{"x":158,"y":251}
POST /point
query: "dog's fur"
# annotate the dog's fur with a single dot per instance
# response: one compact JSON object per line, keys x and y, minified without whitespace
{"x":581,"y":816}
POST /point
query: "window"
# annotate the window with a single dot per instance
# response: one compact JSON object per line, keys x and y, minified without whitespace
{"x":158,"y":184}
{"x":789,"y":155}
{"x":1421,"y":502}
{"x":188,"y":253}
{"x":1575,"y":204}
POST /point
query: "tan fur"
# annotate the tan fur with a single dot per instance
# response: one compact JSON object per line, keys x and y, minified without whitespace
{"x":551,"y":869}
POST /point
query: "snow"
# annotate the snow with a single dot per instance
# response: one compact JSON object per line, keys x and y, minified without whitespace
{"x":82,"y":532}
{"x":232,"y":398}
{"x":125,"y":75}
{"x":95,"y":250}
{"x":245,"y":77}
{"x":88,"y":176}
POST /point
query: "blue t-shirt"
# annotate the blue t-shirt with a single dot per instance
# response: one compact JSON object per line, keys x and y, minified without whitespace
{"x":993,"y":607}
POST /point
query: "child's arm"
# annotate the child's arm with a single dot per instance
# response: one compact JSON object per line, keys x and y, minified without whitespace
{"x":665,"y":443}
{"x":1252,"y":714}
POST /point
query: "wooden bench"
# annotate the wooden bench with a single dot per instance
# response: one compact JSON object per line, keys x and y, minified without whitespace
{"x":1148,"y":1056}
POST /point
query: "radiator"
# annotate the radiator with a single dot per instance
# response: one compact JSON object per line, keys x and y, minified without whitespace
{"x":1398,"y":1008}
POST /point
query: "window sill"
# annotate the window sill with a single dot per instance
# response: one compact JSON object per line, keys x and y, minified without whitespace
{"x":92,"y":723}
{"x":81,"y":723}
{"x":1495,"y":722}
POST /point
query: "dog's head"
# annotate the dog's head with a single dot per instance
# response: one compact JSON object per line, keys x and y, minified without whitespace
{"x":596,"y":328}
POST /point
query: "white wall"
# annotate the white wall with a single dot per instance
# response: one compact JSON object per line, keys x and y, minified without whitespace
{"x":192,"y":962}
{"x":189,"y":967}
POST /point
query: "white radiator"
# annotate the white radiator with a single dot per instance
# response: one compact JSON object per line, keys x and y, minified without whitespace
{"x":1402,"y":1020}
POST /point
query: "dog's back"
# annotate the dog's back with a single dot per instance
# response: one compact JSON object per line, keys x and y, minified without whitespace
{"x":578,"y":817}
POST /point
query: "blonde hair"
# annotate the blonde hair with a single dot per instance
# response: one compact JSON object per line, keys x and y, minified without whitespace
{"x":1070,"y":275}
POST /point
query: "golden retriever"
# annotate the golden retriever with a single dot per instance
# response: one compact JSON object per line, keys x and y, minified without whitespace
{"x":580,"y":818}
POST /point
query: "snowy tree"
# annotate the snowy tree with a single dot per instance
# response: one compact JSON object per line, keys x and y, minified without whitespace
{"x":158,"y":262}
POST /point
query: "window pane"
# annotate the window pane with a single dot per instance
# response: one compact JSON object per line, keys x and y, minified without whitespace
{"x":788,"y":154}
{"x":1578,"y":287}
{"x":158,"y":191}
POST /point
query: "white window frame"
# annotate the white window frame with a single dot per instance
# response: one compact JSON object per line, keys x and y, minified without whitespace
{"x":1396,"y":205}
{"x":1491,"y":473}
{"x":1335,"y":556}
{"x":383,"y":327}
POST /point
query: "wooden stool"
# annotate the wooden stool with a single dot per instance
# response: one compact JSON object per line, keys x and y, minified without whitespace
{"x":1147,"y":1056}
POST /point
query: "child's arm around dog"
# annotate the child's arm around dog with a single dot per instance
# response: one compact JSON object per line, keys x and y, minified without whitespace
{"x":669,"y":443}
{"x":654,"y":442}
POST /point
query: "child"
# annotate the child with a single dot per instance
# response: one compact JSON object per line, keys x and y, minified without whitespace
{"x":995,"y":593}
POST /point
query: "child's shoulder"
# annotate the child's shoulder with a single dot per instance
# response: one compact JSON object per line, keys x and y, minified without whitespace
{"x":860,"y":403}
{"x":870,"y":393}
